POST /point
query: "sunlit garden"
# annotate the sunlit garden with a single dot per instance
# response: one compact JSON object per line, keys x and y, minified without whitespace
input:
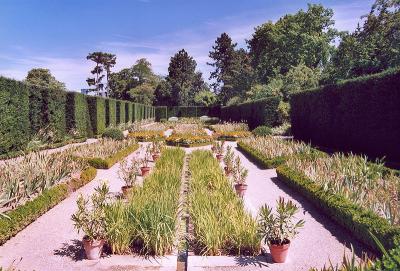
{"x":287,"y":158}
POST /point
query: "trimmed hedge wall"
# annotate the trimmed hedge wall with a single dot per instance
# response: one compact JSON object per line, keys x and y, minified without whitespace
{"x":14,"y":115}
{"x":77,"y":114}
{"x":361,"y":115}
{"x":128,"y":112}
{"x":111,"y":112}
{"x":120,"y":112}
{"x":97,"y":110}
{"x":25,"y":214}
{"x":255,"y":113}
{"x":47,"y":108}
{"x":165,"y":112}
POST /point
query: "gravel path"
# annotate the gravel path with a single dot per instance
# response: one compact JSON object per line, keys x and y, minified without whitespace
{"x":51,"y":242}
{"x":318,"y":242}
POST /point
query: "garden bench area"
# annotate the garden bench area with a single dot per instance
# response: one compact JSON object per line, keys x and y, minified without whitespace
{"x":227,"y":191}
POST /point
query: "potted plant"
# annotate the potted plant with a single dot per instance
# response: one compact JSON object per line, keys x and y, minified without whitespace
{"x":278,"y":229}
{"x":129,"y":174}
{"x":156,"y":147}
{"x":220,"y":150}
{"x":90,"y":218}
{"x":145,"y":169}
{"x":239,"y":177}
{"x":228,"y":160}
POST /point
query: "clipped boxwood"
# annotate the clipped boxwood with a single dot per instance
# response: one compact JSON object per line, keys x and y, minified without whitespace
{"x":113,"y":133}
{"x":25,"y":214}
{"x":100,"y":163}
{"x":260,"y":159}
{"x":356,"y":219}
{"x":262,"y":131}
{"x":14,"y":115}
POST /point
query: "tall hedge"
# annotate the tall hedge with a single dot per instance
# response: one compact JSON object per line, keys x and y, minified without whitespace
{"x":47,"y":109}
{"x":77,"y":114}
{"x":128,"y":112}
{"x":111,"y":112}
{"x":14,"y":115}
{"x":120,"y":112}
{"x":255,"y":113}
{"x":97,"y":111}
{"x":360,"y":115}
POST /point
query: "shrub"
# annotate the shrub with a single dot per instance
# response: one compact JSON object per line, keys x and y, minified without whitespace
{"x":97,"y":112}
{"x":14,"y":115}
{"x":113,"y":133}
{"x":262,"y":131}
{"x":77,"y":114}
{"x":359,"y":115}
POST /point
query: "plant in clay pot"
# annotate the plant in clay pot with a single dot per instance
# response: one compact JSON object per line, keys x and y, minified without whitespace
{"x":220,"y":150}
{"x":228,"y":160}
{"x":156,"y":147}
{"x":239,"y":174}
{"x":129,"y":174}
{"x":90,"y":218}
{"x":145,"y":169}
{"x":278,"y":229}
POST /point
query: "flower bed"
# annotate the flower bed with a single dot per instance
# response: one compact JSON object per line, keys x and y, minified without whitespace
{"x":231,"y":136}
{"x":25,"y":214}
{"x":221,"y":225}
{"x":227,"y":127}
{"x":147,"y":136}
{"x":197,"y":138}
{"x":270,"y":152}
{"x":147,"y":225}
{"x":106,"y":152}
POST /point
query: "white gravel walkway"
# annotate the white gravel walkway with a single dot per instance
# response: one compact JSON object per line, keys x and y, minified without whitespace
{"x":319,"y":242}
{"x":52,"y":243}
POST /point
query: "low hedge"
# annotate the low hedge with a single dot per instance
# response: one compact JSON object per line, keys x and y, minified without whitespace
{"x":232,"y":136}
{"x":101,"y":163}
{"x":187,"y":145}
{"x":25,"y":214}
{"x":260,"y":159}
{"x":354,"y":218}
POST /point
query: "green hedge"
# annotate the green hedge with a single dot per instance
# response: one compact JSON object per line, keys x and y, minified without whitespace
{"x":77,"y":114}
{"x":111,"y":113}
{"x":361,"y":115}
{"x":14,"y":115}
{"x":255,"y":113}
{"x":97,"y":110}
{"x":165,"y":112}
{"x":25,"y":214}
{"x":356,"y":219}
{"x":110,"y":161}
{"x":47,"y":109}
{"x":129,"y":112}
{"x":120,"y":112}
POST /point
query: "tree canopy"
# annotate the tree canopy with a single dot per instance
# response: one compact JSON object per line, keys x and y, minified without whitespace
{"x":40,"y":77}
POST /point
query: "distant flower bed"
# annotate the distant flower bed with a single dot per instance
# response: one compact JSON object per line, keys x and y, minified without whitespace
{"x":155,"y":127}
{"x":145,"y":136}
{"x":229,"y":127}
{"x":103,"y":148}
{"x":233,"y":135}
{"x":189,"y":138}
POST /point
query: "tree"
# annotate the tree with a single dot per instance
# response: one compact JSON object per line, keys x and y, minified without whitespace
{"x":126,"y":83}
{"x":305,"y":37}
{"x":205,"y":98}
{"x":39,"y":77}
{"x":104,"y":63}
{"x":163,"y":94}
{"x":185,"y":82}
{"x":143,"y":93}
{"x":371,"y":48}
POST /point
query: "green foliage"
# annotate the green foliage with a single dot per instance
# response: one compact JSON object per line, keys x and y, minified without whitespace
{"x":108,"y":162}
{"x":14,"y":115}
{"x":390,"y":260}
{"x":359,"y":115}
{"x":274,"y":51}
{"x":120,"y":112}
{"x":111,"y":112}
{"x":97,"y":113}
{"x":25,"y":214}
{"x":255,"y":113}
{"x":77,"y":114}
{"x":42,"y":78}
{"x":143,"y":94}
{"x":205,"y":98}
{"x":113,"y":133}
{"x":259,"y":158}
{"x":262,"y":131}
{"x":104,"y":63}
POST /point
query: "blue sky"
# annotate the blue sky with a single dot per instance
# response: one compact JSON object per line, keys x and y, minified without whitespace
{"x":59,"y":34}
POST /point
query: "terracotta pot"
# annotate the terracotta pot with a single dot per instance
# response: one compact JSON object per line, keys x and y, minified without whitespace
{"x":279,"y":252}
{"x":145,"y":171}
{"x":240,"y":189}
{"x":126,"y":190}
{"x":227,"y":171}
{"x":156,"y":156}
{"x":93,"y":248}
{"x":219,"y":157}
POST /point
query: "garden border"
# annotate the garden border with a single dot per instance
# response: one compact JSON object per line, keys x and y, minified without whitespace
{"x":108,"y":162}
{"x":27,"y":213}
{"x":259,"y":158}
